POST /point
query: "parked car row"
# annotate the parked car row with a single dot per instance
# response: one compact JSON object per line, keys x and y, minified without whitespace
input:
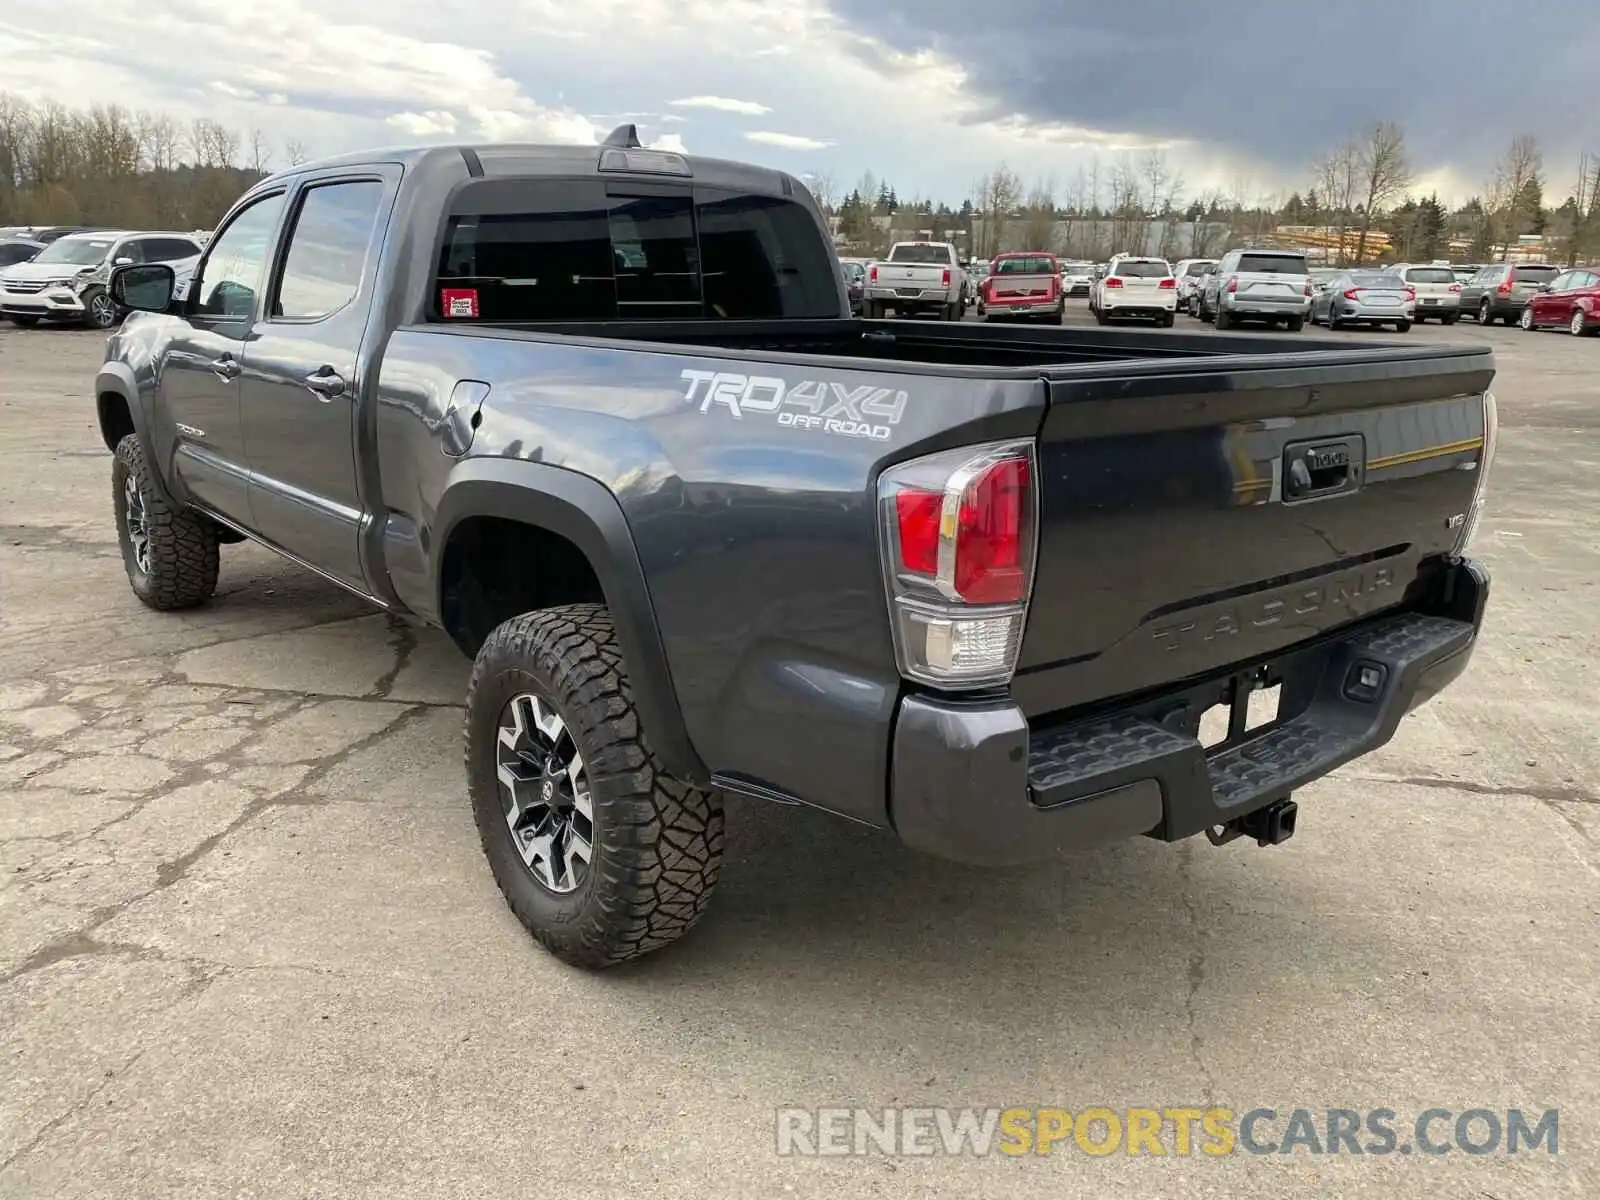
{"x":66,"y":279}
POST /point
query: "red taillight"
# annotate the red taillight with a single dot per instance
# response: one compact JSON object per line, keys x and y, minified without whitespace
{"x":1411,"y":293}
{"x":874,"y":273}
{"x":945,"y":279}
{"x":918,"y":516}
{"x":1113,"y":281}
{"x":1455,"y":287}
{"x":958,"y":558}
{"x":1353,"y":294}
{"x":1505,"y":288}
{"x":1233,"y":286}
{"x":1169,"y":283}
{"x":1309,"y":289}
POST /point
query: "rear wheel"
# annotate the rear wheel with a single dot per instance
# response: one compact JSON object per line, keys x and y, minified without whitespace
{"x":1485,"y":313}
{"x":1224,"y":321}
{"x":1450,"y":318}
{"x":1526,"y":319}
{"x":1296,"y":324}
{"x":1168,"y":320}
{"x":1579,"y":325}
{"x":1100,"y":316}
{"x":1402,"y":326}
{"x":601,"y":855}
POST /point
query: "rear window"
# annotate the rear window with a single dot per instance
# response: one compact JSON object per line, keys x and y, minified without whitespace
{"x":1377,"y":279}
{"x":1142,"y":270}
{"x":566,"y":250}
{"x":1032,"y":265}
{"x":1535,"y":274}
{"x":1198,"y":269}
{"x":1431,"y":275}
{"x":1274,"y":264}
{"x":920,"y":254}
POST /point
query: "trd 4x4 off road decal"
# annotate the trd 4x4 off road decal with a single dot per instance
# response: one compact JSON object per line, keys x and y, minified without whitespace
{"x":862,"y":412}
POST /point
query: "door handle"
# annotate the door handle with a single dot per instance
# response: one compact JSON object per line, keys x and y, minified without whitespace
{"x":226,"y":367}
{"x":326,"y":383}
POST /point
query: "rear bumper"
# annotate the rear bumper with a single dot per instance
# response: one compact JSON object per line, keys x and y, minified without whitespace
{"x":1245,"y":306}
{"x":972,"y":782}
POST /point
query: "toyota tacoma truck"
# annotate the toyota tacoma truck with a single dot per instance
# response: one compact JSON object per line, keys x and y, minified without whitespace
{"x":601,"y":414}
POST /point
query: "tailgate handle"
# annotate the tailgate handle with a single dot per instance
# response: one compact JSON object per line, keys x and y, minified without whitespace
{"x":1312,"y":470}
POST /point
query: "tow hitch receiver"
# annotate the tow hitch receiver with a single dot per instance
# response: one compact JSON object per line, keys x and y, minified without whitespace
{"x":1270,"y":826}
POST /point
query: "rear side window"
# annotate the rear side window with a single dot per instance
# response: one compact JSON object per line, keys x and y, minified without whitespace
{"x":1142,"y":270}
{"x":1035,"y":265}
{"x":1535,"y":274}
{"x":169,"y":249}
{"x":569,"y":251}
{"x":937,"y":255}
{"x":1273,"y":264}
{"x":1430,"y":275}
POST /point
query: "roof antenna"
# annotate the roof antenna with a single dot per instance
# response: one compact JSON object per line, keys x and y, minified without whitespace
{"x":625,"y":137}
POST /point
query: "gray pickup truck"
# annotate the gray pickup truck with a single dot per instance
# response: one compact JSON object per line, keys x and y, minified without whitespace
{"x":601,"y":414}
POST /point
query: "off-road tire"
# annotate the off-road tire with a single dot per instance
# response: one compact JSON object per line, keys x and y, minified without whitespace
{"x":657,"y":840}
{"x":183,"y":559}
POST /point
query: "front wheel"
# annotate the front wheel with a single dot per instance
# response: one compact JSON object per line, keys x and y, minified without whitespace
{"x":1525,"y":320}
{"x":100,"y":310}
{"x":1579,"y":325}
{"x":601,"y":855}
{"x":169,"y":553}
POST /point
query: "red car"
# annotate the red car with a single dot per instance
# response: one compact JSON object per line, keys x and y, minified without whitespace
{"x":1572,"y":299}
{"x":1023,"y":285}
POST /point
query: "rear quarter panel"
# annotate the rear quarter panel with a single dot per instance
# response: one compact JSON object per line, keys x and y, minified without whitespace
{"x":752,"y":508}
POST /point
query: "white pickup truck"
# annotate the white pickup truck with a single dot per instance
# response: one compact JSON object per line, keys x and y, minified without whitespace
{"x":918,"y":278}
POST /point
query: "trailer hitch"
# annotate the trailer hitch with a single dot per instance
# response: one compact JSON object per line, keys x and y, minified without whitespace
{"x":1270,"y":826}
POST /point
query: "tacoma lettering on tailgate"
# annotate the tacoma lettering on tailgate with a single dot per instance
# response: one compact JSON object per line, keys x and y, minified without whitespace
{"x":1263,"y":612}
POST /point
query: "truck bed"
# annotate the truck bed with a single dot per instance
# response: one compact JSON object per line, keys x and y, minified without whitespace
{"x":1167,"y":548}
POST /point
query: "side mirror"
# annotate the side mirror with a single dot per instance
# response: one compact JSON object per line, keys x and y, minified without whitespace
{"x":146,"y":288}
{"x":123,"y":261}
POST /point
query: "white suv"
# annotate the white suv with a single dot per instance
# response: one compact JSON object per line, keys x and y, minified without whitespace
{"x":1138,"y":287}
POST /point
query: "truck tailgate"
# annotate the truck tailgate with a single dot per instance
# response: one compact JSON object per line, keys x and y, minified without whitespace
{"x":1193,"y":521}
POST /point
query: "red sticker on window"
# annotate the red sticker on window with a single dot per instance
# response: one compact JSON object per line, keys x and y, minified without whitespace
{"x":458,"y":302}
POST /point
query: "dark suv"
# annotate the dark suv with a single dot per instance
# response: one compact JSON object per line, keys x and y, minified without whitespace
{"x":1503,"y":290}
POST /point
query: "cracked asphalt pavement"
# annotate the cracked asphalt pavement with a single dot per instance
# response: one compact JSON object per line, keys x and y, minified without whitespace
{"x":249,"y":947}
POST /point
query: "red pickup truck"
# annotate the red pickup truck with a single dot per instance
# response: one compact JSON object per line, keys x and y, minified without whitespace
{"x":1023,"y":285}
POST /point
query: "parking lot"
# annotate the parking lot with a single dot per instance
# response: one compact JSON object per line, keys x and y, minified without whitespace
{"x":249,"y":944}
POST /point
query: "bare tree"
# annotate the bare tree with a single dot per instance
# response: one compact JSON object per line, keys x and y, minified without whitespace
{"x":1039,"y":215}
{"x":260,"y":157}
{"x":1338,"y":176}
{"x":1519,"y":171}
{"x":825,"y":190}
{"x":1385,"y":174}
{"x":1127,"y":211}
{"x":998,"y":195}
{"x":294,"y":152}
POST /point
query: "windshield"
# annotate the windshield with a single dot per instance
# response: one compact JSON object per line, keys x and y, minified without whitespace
{"x":853,"y":271}
{"x":1273,"y":264}
{"x":76,"y":252}
{"x":1536,"y":274}
{"x":1032,"y":265}
{"x":939,"y":255}
{"x":1142,"y":270}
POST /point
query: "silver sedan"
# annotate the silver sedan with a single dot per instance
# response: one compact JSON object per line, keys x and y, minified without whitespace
{"x":1364,"y":298}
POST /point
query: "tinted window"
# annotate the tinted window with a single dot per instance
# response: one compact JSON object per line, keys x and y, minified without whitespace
{"x":763,"y":257}
{"x":327,"y":250}
{"x":1535,"y":274}
{"x":654,"y":256}
{"x":575,"y":254}
{"x":920,"y":254}
{"x":12,"y":253}
{"x":169,"y":249}
{"x":550,"y":262}
{"x":1431,"y":275}
{"x":1377,"y":279}
{"x":1273,"y":264}
{"x":1035,"y":265}
{"x":235,"y":268}
{"x":1198,"y":269}
{"x":1142,"y":270}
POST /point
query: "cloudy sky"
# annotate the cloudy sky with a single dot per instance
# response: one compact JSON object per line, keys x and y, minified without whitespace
{"x":929,"y":94}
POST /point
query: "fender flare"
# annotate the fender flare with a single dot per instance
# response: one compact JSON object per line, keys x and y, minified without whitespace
{"x":117,"y":379}
{"x":588,"y":515}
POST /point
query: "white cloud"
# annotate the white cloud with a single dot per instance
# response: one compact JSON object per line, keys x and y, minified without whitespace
{"x":786,"y":141}
{"x":748,"y":108}
{"x":670,"y":142}
{"x":436,"y":122}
